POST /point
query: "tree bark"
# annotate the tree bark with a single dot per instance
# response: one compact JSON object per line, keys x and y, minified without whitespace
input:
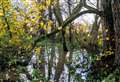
{"x":109,"y":39}
{"x":116,"y":17}
{"x":109,"y":43}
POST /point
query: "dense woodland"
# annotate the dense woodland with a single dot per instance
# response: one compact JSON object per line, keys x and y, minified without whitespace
{"x":53,"y":41}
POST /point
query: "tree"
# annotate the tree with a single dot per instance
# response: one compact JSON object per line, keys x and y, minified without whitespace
{"x":24,"y":28}
{"x":116,"y":17}
{"x":19,"y":26}
{"x":111,"y":39}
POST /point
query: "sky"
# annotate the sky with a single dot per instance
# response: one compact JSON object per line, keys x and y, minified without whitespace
{"x":84,"y":18}
{"x":87,"y":17}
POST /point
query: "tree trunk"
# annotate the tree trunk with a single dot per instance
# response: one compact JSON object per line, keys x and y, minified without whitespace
{"x":52,"y":55}
{"x":62,"y":57}
{"x":106,"y":63}
{"x":116,"y":16}
{"x":109,"y":39}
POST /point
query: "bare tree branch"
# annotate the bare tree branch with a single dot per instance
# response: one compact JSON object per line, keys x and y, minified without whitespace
{"x":78,"y":7}
{"x":65,"y":23}
{"x":58,"y":14}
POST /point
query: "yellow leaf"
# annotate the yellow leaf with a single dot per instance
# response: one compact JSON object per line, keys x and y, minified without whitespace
{"x":15,"y":40}
{"x":37,"y":51}
{"x":48,"y":2}
{"x":41,"y":24}
{"x":1,"y":14}
{"x":45,"y":27}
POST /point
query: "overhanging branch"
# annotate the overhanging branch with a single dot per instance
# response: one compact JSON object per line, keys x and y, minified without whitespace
{"x":65,"y":23}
